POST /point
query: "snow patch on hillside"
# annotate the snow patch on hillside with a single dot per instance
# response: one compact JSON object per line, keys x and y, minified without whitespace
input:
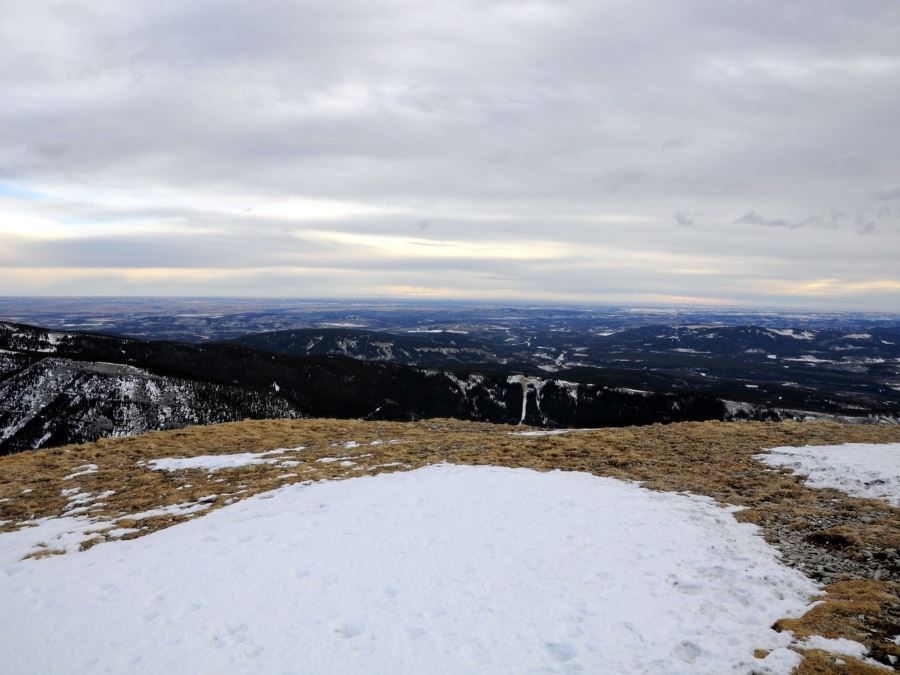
{"x":864,"y":470}
{"x":807,"y":358}
{"x":535,"y":384}
{"x":443,"y":569}
{"x":548,"y":432}
{"x":77,"y":526}
{"x":183,"y":509}
{"x":81,"y":471}
{"x":790,"y":332}
{"x":213,"y":463}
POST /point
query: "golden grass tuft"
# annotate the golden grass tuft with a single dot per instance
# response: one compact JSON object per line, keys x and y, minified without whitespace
{"x":857,"y":610}
{"x":818,"y":662}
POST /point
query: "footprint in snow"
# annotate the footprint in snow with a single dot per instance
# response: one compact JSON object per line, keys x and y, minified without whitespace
{"x":348,"y":630}
{"x":415,"y":632}
{"x":562,"y":651}
{"x":687,"y":651}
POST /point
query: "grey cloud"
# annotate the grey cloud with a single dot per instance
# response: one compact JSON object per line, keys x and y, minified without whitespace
{"x":753,"y":218}
{"x":675,"y":143}
{"x":850,"y":165}
{"x":862,"y":222}
{"x":487,"y":120}
{"x":621,"y":177}
{"x":864,"y":226}
{"x":887,"y":195}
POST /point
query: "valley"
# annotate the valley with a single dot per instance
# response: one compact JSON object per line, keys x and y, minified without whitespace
{"x":142,"y":369}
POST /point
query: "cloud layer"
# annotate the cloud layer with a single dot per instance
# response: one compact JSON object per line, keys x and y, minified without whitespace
{"x":570,"y":150}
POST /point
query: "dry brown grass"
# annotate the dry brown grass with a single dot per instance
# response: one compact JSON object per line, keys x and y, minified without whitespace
{"x":708,"y":458}
{"x":862,"y":610}
{"x":817,"y":662}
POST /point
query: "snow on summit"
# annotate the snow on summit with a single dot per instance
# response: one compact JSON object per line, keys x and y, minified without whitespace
{"x":444,"y":569}
{"x":867,"y":470}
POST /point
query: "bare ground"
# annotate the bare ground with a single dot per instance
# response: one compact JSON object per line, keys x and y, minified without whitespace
{"x":850,"y":544}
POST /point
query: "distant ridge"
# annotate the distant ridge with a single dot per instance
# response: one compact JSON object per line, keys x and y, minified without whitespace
{"x":63,"y":387}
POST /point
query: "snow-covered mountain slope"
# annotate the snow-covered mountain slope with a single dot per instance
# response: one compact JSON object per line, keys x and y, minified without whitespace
{"x":843,"y":364}
{"x":54,"y":401}
{"x":427,"y":348}
{"x":62,"y":387}
{"x":560,"y":349}
{"x":453,"y":569}
{"x":69,"y":387}
{"x":830,"y":371}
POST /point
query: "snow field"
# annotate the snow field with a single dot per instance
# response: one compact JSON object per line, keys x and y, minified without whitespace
{"x":68,"y":532}
{"x":870,"y":471}
{"x":445,"y":569}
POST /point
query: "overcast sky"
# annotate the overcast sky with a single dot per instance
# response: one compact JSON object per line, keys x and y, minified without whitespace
{"x":695,"y":152}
